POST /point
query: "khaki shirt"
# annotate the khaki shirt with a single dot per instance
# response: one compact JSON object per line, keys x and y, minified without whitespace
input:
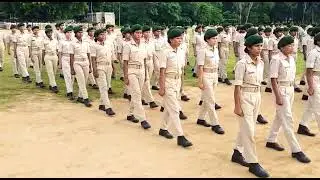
{"x":64,"y":47}
{"x":308,"y":42}
{"x":295,"y":45}
{"x":198,"y":40}
{"x":248,"y":74}
{"x":266,"y":40}
{"x":313,"y":59}
{"x":208,"y":57}
{"x":36,"y":43}
{"x":240,"y":39}
{"x":80,"y":50}
{"x":150,"y":48}
{"x":224,"y":39}
{"x":103,"y":52}
{"x":23,"y":39}
{"x":283,"y":68}
{"x":171,"y":60}
{"x":159,"y":43}
{"x":121,"y":45}
{"x":12,"y":39}
{"x":134,"y":53}
{"x":50,"y":46}
{"x":273,"y":45}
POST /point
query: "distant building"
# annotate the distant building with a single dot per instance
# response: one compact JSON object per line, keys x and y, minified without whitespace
{"x":102,"y":17}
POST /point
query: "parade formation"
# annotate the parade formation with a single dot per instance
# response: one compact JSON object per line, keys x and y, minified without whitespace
{"x":155,"y":58}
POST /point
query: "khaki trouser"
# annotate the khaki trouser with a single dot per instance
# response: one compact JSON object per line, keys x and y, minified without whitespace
{"x":156,"y":70}
{"x":182,"y":93}
{"x":207,"y":95}
{"x":136,"y":80}
{"x":91,"y":79}
{"x":1,"y":54}
{"x":172,"y":107}
{"x":28,"y":59}
{"x":284,"y":119}
{"x":313,"y":105}
{"x":15,"y":69}
{"x":81,"y":69}
{"x":224,"y":52}
{"x":295,"y":56}
{"x":265,"y":58}
{"x":104,"y":71}
{"x":146,"y":90}
{"x":22,"y":58}
{"x":37,"y":59}
{"x":51,"y":62}
{"x":121,"y":67}
{"x":250,"y":105}
{"x":66,"y":70}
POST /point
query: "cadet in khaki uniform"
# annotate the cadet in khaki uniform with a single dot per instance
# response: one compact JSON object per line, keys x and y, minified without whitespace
{"x":21,"y":52}
{"x":90,"y":40}
{"x":282,"y":74}
{"x":64,"y":61}
{"x":147,"y":97}
{"x":80,"y":63}
{"x":239,"y":42}
{"x":11,"y":39}
{"x":126,"y":39}
{"x":273,"y":50}
{"x":208,"y":63}
{"x":50,"y":57}
{"x":313,"y":78}
{"x":265,"y":54}
{"x":170,"y":81}
{"x":198,"y":43}
{"x":2,"y":49}
{"x":134,"y":54}
{"x":247,"y":97}
{"x":102,"y":54}
{"x":293,"y":32}
{"x":185,"y":47}
{"x":30,"y":34}
{"x":111,"y":37}
{"x":224,"y":40}
{"x":35,"y":51}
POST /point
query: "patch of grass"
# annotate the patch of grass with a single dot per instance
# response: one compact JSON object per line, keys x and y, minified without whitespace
{"x":11,"y":88}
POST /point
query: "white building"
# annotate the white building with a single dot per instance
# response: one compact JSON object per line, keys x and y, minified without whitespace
{"x":102,"y":17}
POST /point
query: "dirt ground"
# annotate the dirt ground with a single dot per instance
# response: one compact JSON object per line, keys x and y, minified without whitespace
{"x":46,"y":137}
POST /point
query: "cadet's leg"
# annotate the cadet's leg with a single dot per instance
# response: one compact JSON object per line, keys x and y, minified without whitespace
{"x":80,"y":79}
{"x":36,"y":59}
{"x":135,"y":103}
{"x":22,"y":62}
{"x":14,"y":62}
{"x":67,"y":74}
{"x":103,"y":88}
{"x":50,"y":70}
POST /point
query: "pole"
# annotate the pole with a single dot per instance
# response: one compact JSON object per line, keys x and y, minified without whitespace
{"x":119,"y":13}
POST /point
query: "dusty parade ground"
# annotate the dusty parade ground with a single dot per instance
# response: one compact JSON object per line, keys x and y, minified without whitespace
{"x":49,"y":137}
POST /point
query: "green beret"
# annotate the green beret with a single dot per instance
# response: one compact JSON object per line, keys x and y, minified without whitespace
{"x":219,"y":29}
{"x":285,"y":41}
{"x":93,"y":24}
{"x":156,"y":28}
{"x":260,"y":28}
{"x":98,"y":32}
{"x":316,"y":38}
{"x":20,"y":25}
{"x":242,"y":27}
{"x":251,"y":31}
{"x":91,"y":29}
{"x":248,"y":25}
{"x":309,"y":31}
{"x":59,"y":24}
{"x":35,"y":27}
{"x":174,"y":33}
{"x":109,"y":25}
{"x":277,"y":30}
{"x":210,"y":33}
{"x":136,"y":27}
{"x":77,"y":29}
{"x":294,"y":29}
{"x":267,"y":29}
{"x":28,"y":25}
{"x":315,"y":31}
{"x":285,"y":28}
{"x":126,"y":30}
{"x":225,"y":25}
{"x":68,"y":29}
{"x":146,"y":28}
{"x":253,"y":39}
{"x":48,"y":30}
{"x":47,"y":26}
{"x":186,"y":27}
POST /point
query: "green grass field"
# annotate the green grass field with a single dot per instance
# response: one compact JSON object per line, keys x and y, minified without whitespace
{"x":11,"y":88}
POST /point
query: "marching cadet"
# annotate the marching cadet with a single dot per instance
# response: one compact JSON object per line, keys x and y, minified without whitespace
{"x":50,"y":57}
{"x":208,"y":63}
{"x":80,"y":63}
{"x":102,"y":54}
{"x":164,"y":32}
{"x":224,"y":40}
{"x":159,"y":42}
{"x":307,"y":46}
{"x":30,"y":34}
{"x":239,"y":43}
{"x":265,"y":54}
{"x":170,"y":72}
{"x":147,"y":97}
{"x":95,"y":25}
{"x":186,"y":40}
{"x":261,"y":30}
{"x":59,"y":35}
{"x":110,"y":36}
{"x":64,"y":61}
{"x":35,"y":51}
{"x":126,"y":39}
{"x":313,"y":79}
{"x":285,"y":30}
{"x":234,"y":38}
{"x":133,"y":56}
{"x":91,"y":42}
{"x":198,"y":43}
{"x":11,"y":39}
{"x":21,"y":52}
{"x":247,"y":97}
{"x":293,"y":32}
{"x":119,"y":41}
{"x":2,"y":49}
{"x":184,"y":61}
{"x":273,"y":50}
{"x":282,"y":74}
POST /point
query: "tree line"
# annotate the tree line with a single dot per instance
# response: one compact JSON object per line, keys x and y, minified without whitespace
{"x":169,"y":13}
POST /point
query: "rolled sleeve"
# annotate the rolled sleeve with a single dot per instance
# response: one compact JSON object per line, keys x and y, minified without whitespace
{"x":201,"y":56}
{"x":239,"y":71}
{"x":311,"y":59}
{"x":162,"y":59}
{"x":126,"y":52}
{"x":274,"y":68}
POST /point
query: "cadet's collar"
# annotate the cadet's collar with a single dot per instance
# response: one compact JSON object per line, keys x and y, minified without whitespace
{"x":100,"y":43}
{"x":172,"y":49}
{"x":250,"y":61}
{"x":134,"y":42}
{"x":284,"y":57}
{"x":210,"y":47}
